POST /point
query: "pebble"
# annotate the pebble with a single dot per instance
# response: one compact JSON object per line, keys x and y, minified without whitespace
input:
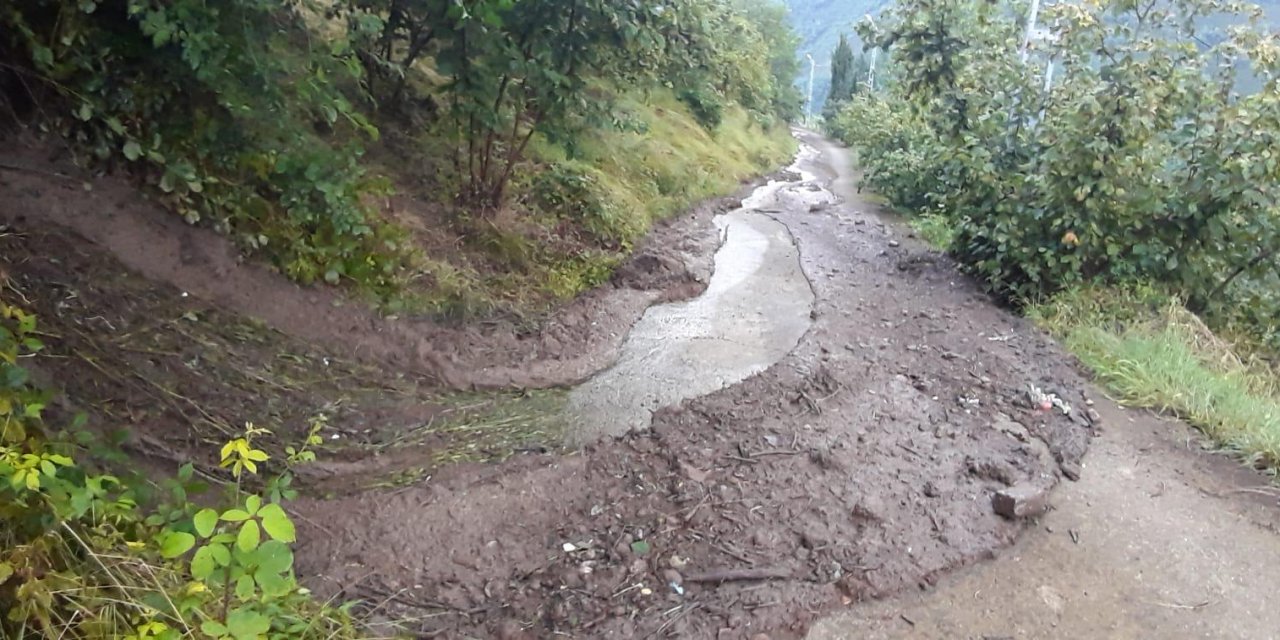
{"x":1021,"y":501}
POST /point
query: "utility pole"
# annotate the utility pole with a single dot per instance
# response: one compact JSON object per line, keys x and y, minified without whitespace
{"x":871,"y":71}
{"x":1031,"y":28}
{"x":808,"y":115}
{"x":871,"y":68}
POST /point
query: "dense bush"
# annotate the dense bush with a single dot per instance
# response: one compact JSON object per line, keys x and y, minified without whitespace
{"x":216,"y":107}
{"x":1143,"y":163}
{"x":572,"y":190}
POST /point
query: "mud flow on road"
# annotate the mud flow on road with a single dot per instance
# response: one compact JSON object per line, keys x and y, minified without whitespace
{"x":752,"y":313}
{"x":862,"y":462}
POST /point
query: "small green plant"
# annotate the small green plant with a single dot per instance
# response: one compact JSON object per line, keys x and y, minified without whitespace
{"x":82,"y":557}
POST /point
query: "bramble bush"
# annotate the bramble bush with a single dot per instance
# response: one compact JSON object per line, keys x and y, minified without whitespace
{"x":1145,"y":162}
{"x":82,"y":556}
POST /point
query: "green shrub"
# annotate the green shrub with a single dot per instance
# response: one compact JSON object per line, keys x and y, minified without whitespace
{"x":707,"y":107}
{"x":1140,"y":165}
{"x":216,"y":108}
{"x":574,"y":191}
{"x":83,"y":557}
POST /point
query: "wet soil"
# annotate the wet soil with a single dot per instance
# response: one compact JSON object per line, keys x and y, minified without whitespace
{"x":1159,"y":539}
{"x":862,"y":463}
{"x":690,"y":348}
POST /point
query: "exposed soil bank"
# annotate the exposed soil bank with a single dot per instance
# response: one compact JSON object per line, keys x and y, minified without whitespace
{"x":862,"y":463}
{"x":574,"y":342}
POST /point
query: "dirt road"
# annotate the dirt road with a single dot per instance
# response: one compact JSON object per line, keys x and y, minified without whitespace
{"x":1158,"y":539}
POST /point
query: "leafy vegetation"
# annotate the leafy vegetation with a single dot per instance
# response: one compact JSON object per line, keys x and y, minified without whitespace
{"x":1143,"y":163}
{"x":850,"y":75}
{"x":1149,"y":351}
{"x":255,"y":116}
{"x":85,"y":554}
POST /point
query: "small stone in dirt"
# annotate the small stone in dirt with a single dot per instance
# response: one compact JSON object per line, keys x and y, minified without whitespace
{"x":1070,"y":469}
{"x":931,"y":490}
{"x":894,"y":243}
{"x":1021,"y":500}
{"x":672,"y":576}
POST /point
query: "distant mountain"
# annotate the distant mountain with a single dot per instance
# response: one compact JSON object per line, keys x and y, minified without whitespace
{"x":820,"y":23}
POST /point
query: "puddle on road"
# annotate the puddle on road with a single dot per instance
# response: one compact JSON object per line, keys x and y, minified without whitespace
{"x":754,"y":311}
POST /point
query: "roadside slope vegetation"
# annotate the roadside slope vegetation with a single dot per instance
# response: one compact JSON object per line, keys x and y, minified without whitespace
{"x":1143,"y":173}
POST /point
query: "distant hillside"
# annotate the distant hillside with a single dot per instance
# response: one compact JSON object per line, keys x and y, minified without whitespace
{"x":820,"y":23}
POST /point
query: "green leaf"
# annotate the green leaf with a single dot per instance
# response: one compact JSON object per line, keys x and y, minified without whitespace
{"x":213,"y":628}
{"x":202,"y":564}
{"x":249,"y":536}
{"x":244,"y":587}
{"x":274,"y":556}
{"x":176,"y":543}
{"x":84,"y":112}
{"x":236,"y":515}
{"x":132,"y":150}
{"x":220,"y":553}
{"x":274,"y":584}
{"x":43,"y":57}
{"x":246,"y":624}
{"x":252,"y":504}
{"x":641,"y":547}
{"x":6,"y":570}
{"x":205,"y":520}
{"x":277,"y":523}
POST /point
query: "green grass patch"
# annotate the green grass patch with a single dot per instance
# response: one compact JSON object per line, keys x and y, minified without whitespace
{"x":1149,"y":351}
{"x":935,"y":229}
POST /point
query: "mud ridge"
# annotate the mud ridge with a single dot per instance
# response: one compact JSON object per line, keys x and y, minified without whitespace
{"x":564,"y":348}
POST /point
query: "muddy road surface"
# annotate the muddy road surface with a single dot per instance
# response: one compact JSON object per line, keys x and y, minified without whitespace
{"x":755,"y":308}
{"x":861,"y":463}
{"x":1158,"y":539}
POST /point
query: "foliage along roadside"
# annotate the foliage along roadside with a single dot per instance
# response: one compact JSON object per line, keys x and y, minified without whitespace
{"x":1142,"y":164}
{"x":1148,"y":351}
{"x":254,"y":115}
{"x":86,"y":555}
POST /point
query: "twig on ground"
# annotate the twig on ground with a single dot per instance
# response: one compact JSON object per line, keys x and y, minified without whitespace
{"x":734,"y":575}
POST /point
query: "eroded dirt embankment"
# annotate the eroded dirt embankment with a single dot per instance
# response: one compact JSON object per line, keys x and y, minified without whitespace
{"x":674,"y":262}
